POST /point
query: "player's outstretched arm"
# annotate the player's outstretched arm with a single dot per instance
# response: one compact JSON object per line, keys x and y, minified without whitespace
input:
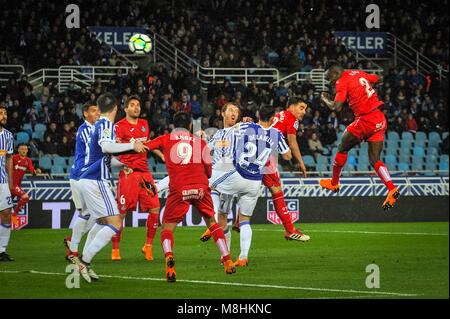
{"x":119,"y":148}
{"x":332,"y":105}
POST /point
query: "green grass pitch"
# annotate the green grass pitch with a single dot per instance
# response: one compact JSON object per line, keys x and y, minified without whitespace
{"x":412,"y":259}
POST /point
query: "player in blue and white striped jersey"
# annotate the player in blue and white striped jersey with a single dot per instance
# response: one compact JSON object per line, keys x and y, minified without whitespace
{"x":83,"y":223}
{"x":255,"y":144}
{"x":6,"y":170}
{"x":96,"y":194}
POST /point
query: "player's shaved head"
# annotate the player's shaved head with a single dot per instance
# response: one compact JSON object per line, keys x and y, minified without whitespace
{"x":182,"y":120}
{"x":334,"y":71}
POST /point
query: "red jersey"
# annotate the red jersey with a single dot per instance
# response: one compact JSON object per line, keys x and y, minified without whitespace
{"x":20,"y":166}
{"x":188,"y":159}
{"x":355,"y":86}
{"x":286,"y":123}
{"x":126,"y":133}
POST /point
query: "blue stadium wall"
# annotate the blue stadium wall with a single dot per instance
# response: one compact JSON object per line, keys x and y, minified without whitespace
{"x":359,"y":200}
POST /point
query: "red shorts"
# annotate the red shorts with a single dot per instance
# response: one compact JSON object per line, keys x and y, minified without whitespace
{"x":129,"y":193}
{"x":178,"y":201}
{"x":370,"y":127}
{"x":17,"y":191}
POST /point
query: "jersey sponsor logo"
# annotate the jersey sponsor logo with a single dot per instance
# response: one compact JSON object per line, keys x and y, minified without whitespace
{"x":198,"y":193}
{"x":296,"y":125}
{"x":107,"y":132}
{"x":143,"y":129}
{"x":22,"y":219}
{"x":2,"y":153}
{"x":132,"y":129}
{"x":292,"y":206}
{"x":223,"y":143}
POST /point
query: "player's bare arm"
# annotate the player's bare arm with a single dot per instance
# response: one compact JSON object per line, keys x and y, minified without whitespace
{"x":295,"y":150}
{"x":332,"y":105}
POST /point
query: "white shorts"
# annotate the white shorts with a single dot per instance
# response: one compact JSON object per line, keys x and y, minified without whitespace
{"x":223,"y":203}
{"x":98,"y":198}
{"x":247,"y":191}
{"x":76,"y":194}
{"x":5,"y":197}
{"x":163,"y":184}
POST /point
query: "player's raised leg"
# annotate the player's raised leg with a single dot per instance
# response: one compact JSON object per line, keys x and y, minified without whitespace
{"x":375,"y":149}
{"x":348,"y":142}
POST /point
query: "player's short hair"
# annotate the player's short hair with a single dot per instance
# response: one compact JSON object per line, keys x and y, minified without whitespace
{"x":266,"y":112}
{"x":182,"y":119}
{"x":87,"y":105}
{"x":22,"y":144}
{"x":332,"y":65}
{"x":106,"y":102}
{"x":293,"y":100}
{"x":131,"y":98}
{"x":227,"y":105}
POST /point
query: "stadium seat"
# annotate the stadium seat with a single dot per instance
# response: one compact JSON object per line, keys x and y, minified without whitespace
{"x":420,"y":136}
{"x":404,"y":159}
{"x":363,"y":167}
{"x":60,"y":161}
{"x":434,"y":136}
{"x":57,"y":170}
{"x":391,"y":144}
{"x":323,"y":160}
{"x":406,"y":144}
{"x":309,"y":160}
{"x":405,"y":151}
{"x":22,"y":137}
{"x":28,"y":128}
{"x":444,"y":135}
{"x":432,"y":151}
{"x":403,"y":167}
{"x":45,"y":162}
{"x":351,"y":160}
{"x":430,"y":166}
{"x":418,"y":151}
{"x":350,"y":168}
{"x":392,"y":167}
{"x":353,"y":152}
{"x":443,"y":159}
{"x":407,"y":136}
{"x":71,"y":161}
{"x":363,"y":159}
{"x":393,"y":136}
{"x":390,"y":159}
{"x":40,"y":128}
{"x":443,"y":166}
{"x":391,"y":151}
{"x":417,"y":159}
{"x":342,"y":127}
{"x":160,"y":167}
{"x":363,"y":147}
{"x":38,"y":136}
{"x":431,"y":159}
{"x":417,"y":166}
{"x":420,"y":143}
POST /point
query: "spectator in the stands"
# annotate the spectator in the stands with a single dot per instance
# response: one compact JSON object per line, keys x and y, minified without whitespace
{"x":411,"y":124}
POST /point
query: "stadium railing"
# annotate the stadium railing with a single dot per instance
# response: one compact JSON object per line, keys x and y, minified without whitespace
{"x":8,"y":71}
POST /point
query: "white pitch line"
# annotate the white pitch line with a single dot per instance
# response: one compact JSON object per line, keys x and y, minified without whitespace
{"x":207,"y":282}
{"x":359,"y":232}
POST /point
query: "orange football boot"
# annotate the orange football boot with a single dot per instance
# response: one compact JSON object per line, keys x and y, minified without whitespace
{"x":170,"y":269}
{"x":115,"y":255}
{"x":206,"y":236}
{"x":147,"y":251}
{"x":391,"y":198}
{"x":241,"y":262}
{"x":229,"y":266}
{"x":326,"y":183}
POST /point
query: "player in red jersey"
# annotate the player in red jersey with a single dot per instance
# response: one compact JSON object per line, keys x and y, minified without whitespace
{"x":189,"y":165}
{"x":287,"y":123}
{"x":21,"y":164}
{"x":369,"y":125}
{"x":135,"y":183}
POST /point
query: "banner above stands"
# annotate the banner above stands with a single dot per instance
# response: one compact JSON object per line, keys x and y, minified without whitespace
{"x":364,"y":42}
{"x":116,"y":37}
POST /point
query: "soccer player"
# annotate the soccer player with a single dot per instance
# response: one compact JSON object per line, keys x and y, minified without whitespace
{"x":188,"y":162}
{"x":84,"y":222}
{"x":136,"y":183}
{"x":6,"y":183}
{"x":96,"y":193}
{"x":369,"y":125}
{"x":287,"y":123}
{"x":255,"y":144}
{"x":21,"y":164}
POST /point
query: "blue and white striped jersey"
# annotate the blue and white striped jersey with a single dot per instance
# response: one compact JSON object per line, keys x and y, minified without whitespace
{"x":222,"y":144}
{"x":6,"y":148}
{"x":254,"y":146}
{"x":98,"y":166}
{"x":81,"y":150}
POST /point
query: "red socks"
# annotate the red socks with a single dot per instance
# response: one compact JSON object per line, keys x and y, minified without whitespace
{"x":384,"y":175}
{"x":282,"y":211}
{"x":115,"y":240}
{"x":339,"y":162}
{"x":152,"y":226}
{"x":167,"y":242}
{"x":219,"y":238}
{"x":22,"y":202}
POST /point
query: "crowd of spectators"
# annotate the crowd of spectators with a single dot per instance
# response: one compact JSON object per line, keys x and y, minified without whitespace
{"x":292,"y":35}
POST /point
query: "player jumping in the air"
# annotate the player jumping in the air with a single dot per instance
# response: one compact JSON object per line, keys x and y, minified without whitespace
{"x":21,"y":164}
{"x":6,"y":183}
{"x":188,"y":162}
{"x":255,"y":145}
{"x":96,"y":193}
{"x":136,"y":183}
{"x":369,"y":125}
{"x":84,"y":222}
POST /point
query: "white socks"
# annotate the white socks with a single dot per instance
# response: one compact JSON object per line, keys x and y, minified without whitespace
{"x":246,"y":239}
{"x":101,"y":239}
{"x":79,"y":229}
{"x":5,"y":234}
